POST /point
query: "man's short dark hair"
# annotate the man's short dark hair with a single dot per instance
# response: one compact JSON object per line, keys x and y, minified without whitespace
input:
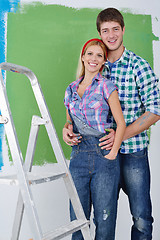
{"x":109,"y":15}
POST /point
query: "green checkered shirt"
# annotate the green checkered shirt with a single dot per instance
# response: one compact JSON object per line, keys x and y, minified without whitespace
{"x":138,"y":92}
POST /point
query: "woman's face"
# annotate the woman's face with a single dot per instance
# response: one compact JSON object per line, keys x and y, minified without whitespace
{"x":93,"y":59}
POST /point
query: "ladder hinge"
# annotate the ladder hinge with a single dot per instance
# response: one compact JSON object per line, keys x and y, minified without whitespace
{"x":36,"y":120}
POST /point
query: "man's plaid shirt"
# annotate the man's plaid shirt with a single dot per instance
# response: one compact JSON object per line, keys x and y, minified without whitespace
{"x":138,"y":92}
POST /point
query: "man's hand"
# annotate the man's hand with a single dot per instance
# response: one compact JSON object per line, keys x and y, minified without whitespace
{"x":69,"y":137}
{"x":107,"y":141}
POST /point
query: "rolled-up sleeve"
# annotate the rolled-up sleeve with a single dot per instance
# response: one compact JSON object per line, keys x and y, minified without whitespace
{"x":108,"y":88}
{"x":148,"y":87}
{"x":67,"y":97}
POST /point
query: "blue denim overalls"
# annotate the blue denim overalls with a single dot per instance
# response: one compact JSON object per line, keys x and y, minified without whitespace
{"x":96,"y":179}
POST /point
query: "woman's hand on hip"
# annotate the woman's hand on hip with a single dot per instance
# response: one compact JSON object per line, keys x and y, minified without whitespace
{"x":69,"y":137}
{"x":107,"y":141}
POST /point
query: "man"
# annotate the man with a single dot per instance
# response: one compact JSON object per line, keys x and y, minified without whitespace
{"x":140,"y":102}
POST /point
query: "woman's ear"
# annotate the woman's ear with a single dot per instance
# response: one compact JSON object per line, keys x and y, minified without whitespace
{"x":83,"y":58}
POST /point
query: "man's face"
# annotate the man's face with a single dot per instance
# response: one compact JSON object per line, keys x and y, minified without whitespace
{"x":111,"y":34}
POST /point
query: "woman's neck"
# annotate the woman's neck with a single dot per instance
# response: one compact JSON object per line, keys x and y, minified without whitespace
{"x":87,"y":80}
{"x":88,"y":77}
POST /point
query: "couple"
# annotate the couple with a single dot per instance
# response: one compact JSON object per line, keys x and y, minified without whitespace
{"x":109,"y":108}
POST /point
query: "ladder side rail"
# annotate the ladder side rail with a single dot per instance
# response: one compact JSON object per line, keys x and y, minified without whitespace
{"x":28,"y":166}
{"x":18,"y":218}
{"x":18,"y":160}
{"x":31,"y":146}
{"x":49,"y":126}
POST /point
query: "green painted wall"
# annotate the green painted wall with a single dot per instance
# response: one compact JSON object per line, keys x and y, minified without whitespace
{"x":47,"y":39}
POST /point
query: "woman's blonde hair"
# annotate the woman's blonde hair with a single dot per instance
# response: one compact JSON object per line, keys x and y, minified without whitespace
{"x":91,"y":42}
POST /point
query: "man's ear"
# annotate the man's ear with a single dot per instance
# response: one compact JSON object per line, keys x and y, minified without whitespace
{"x":123,"y":30}
{"x":99,"y":34}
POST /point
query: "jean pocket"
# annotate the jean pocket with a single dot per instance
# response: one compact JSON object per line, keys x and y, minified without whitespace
{"x":104,"y":152}
{"x":140,"y":154}
{"x":74,"y":153}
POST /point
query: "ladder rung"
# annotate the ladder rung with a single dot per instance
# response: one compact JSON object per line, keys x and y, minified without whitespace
{"x":45,"y":177}
{"x":33,"y":178}
{"x":65,"y":230}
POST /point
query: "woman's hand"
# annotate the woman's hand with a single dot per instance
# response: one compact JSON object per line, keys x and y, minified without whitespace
{"x":107,"y":141}
{"x":111,"y":156}
{"x":69,"y":137}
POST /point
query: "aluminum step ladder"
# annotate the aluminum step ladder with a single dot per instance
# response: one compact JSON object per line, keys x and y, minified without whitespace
{"x":24,"y":177}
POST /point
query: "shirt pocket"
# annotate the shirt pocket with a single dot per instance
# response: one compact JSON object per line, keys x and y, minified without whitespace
{"x":95,"y":101}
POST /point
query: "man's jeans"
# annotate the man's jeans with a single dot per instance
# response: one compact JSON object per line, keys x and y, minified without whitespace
{"x":96,"y":179}
{"x":135,"y":181}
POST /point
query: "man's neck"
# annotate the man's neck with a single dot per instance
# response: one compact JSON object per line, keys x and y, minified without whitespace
{"x":115,"y":55}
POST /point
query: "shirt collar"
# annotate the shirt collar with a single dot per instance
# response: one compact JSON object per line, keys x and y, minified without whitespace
{"x":75,"y":96}
{"x":123,"y":59}
{"x":97,"y":77}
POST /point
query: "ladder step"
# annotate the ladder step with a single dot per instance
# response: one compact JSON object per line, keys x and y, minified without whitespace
{"x":32,"y":177}
{"x":44,"y":177}
{"x":65,"y":230}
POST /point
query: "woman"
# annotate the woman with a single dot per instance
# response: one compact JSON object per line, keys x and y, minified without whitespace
{"x":95,"y":171}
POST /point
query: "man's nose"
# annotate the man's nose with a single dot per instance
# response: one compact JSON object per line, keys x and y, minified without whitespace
{"x":111,"y":34}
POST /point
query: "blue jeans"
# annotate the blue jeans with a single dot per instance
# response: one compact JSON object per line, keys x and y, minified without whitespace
{"x":96,"y":179}
{"x":135,"y":181}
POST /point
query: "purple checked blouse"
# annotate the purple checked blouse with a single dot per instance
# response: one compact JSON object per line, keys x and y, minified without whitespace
{"x":92,"y":108}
